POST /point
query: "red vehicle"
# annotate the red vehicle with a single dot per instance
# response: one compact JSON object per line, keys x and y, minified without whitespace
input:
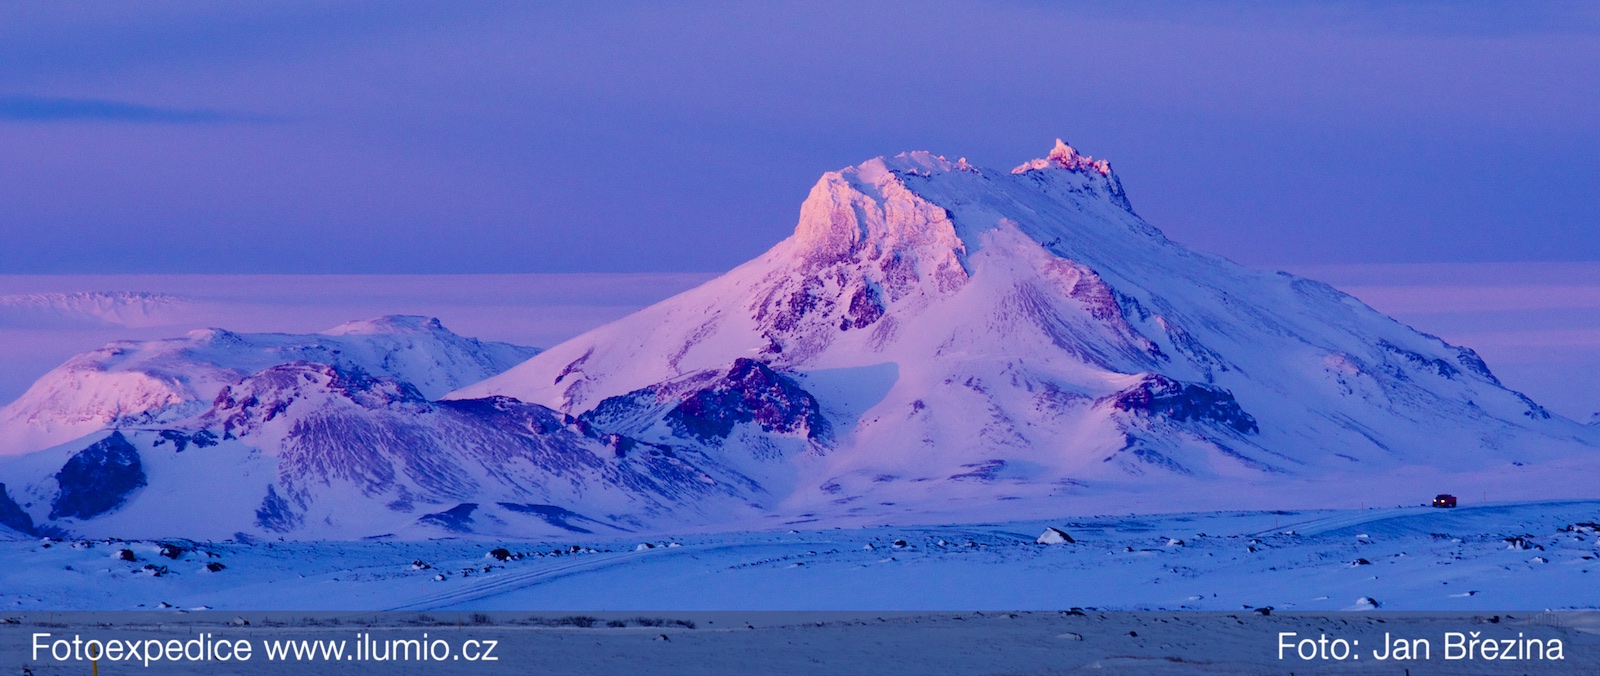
{"x":1444,"y":500}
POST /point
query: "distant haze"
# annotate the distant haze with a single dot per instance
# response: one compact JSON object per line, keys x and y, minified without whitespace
{"x":368,"y":137}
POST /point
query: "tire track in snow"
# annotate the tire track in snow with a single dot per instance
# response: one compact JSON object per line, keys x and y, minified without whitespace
{"x":519,"y":580}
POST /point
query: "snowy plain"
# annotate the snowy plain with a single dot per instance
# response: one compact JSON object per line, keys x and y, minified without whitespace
{"x":1480,"y":558}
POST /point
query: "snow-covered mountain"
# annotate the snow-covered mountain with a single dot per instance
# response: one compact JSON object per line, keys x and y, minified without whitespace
{"x":312,"y":451}
{"x":335,"y":435}
{"x":147,"y":382}
{"x":936,"y":341}
{"x":978,"y":335}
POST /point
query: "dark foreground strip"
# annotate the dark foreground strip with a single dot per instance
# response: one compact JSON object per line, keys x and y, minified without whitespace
{"x":670,"y":642}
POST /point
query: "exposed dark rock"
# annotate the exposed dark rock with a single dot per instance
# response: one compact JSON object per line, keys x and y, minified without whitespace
{"x":748,"y":392}
{"x":1534,"y":411}
{"x":1438,"y":366}
{"x":12,"y":516}
{"x":710,"y":404}
{"x":181,"y":440}
{"x":261,"y":398}
{"x":1473,"y":363}
{"x":457,"y":518}
{"x":558,"y":517}
{"x":98,"y":479}
{"x":1158,"y":395}
{"x":987,"y":470}
{"x":865,"y":308}
{"x":276,"y":514}
{"x":787,"y":306}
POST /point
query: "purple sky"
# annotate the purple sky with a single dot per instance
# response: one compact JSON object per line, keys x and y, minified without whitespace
{"x":522,"y":137}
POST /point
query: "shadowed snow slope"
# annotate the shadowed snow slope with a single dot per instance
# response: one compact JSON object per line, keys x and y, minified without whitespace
{"x":974,"y":336}
{"x":147,"y":382}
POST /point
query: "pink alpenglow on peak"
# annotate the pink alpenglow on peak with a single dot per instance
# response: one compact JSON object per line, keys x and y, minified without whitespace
{"x":1066,"y":157}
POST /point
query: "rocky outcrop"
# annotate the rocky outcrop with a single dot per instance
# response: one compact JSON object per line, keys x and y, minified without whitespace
{"x":1156,"y":395}
{"x":708,"y":406}
{"x":98,"y":479}
{"x":12,"y":516}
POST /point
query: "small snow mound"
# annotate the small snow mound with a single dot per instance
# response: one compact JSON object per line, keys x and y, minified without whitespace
{"x":644,"y":546}
{"x":212,"y":336}
{"x":239,"y":622}
{"x":1054,"y":536}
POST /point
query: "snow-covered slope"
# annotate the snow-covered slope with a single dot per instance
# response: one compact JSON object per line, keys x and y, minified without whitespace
{"x":337,"y":436}
{"x":312,"y":451}
{"x":981,"y":335}
{"x":163,"y":380}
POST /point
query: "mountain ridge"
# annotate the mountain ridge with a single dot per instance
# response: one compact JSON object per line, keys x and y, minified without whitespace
{"x":935,"y":341}
{"x":144,"y":382}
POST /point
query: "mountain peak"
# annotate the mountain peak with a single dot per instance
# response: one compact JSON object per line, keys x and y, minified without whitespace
{"x":1064,"y":156}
